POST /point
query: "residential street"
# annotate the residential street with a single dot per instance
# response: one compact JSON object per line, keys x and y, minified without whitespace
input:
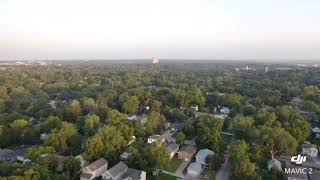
{"x":224,"y":171}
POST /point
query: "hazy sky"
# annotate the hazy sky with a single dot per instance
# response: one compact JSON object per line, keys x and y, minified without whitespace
{"x":193,"y":29}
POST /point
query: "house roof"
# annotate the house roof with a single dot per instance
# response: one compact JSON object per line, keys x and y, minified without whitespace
{"x":4,"y":152}
{"x":86,"y":175}
{"x":132,"y":174}
{"x":155,"y":137}
{"x":308,"y":146}
{"x":195,"y":167}
{"x":204,"y":153}
{"x":189,"y":149}
{"x":118,"y":168}
{"x":97,"y":164}
{"x":172,"y":147}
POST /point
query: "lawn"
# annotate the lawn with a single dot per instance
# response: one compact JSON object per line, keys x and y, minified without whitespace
{"x":225,"y":140}
{"x":162,"y":176}
{"x":173,"y":165}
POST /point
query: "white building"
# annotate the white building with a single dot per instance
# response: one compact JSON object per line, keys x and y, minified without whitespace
{"x":194,"y":107}
{"x":202,"y":155}
{"x":225,"y":110}
{"x":316,"y":130}
{"x":155,"y":138}
{"x":310,"y":149}
{"x":194,"y":169}
{"x":94,"y":169}
{"x":155,"y":60}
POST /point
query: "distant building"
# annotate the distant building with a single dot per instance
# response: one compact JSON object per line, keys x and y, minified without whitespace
{"x":186,"y":153}
{"x":194,"y":107}
{"x":194,"y":169}
{"x":266,"y":69}
{"x":132,"y":116}
{"x":155,"y":60}
{"x":94,"y":169}
{"x":310,"y":149}
{"x":202,"y":156}
{"x":156,"y":138}
{"x":172,"y":149}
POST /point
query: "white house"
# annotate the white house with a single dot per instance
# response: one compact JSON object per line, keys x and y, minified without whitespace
{"x":274,"y":163}
{"x":172,"y":149}
{"x":132,"y":116}
{"x":202,"y":155}
{"x":225,"y":110}
{"x":116,"y":172}
{"x":194,"y":107}
{"x":310,"y":149}
{"x":194,"y":169}
{"x":43,"y":136}
{"x":155,"y":138}
{"x":94,"y":169}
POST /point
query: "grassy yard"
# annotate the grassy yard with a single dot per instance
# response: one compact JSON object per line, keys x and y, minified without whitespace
{"x":162,"y":176}
{"x":173,"y":165}
{"x":225,"y":140}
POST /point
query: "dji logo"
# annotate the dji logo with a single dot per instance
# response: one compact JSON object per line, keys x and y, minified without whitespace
{"x":298,"y":159}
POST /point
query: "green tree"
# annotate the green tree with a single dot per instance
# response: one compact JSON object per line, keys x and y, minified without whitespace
{"x":180,"y":137}
{"x":61,"y":138}
{"x":131,"y":104}
{"x":71,"y":166}
{"x":34,"y":152}
{"x":2,"y":106}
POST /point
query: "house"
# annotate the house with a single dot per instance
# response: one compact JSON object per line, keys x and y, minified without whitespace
{"x":298,"y":102}
{"x":202,"y":156}
{"x":225,"y":110}
{"x":83,"y":162}
{"x":194,"y":107}
{"x":310,"y":149}
{"x":199,"y":114}
{"x":186,"y":153}
{"x":274,"y":163}
{"x":155,"y":138}
{"x":94,"y":169}
{"x":316,"y":130}
{"x":133,"y":116}
{"x":194,"y":169}
{"x":5,"y":154}
{"x":116,"y":172}
{"x":133,"y":174}
{"x":43,"y":136}
{"x":172,"y":149}
{"x":12,"y":155}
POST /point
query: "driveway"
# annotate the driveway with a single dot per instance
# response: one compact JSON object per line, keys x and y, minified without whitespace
{"x":224,"y":171}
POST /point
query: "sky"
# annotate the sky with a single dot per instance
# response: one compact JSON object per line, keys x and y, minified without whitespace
{"x":168,"y":29}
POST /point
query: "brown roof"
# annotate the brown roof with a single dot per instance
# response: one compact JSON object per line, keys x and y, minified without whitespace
{"x":60,"y":158}
{"x":97,"y":164}
{"x":189,"y":149}
{"x":172,"y":147}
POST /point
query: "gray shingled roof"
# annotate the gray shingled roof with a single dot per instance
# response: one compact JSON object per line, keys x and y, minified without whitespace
{"x":118,"y":168}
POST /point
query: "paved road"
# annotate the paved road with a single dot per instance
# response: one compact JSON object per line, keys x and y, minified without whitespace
{"x":224,"y":171}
